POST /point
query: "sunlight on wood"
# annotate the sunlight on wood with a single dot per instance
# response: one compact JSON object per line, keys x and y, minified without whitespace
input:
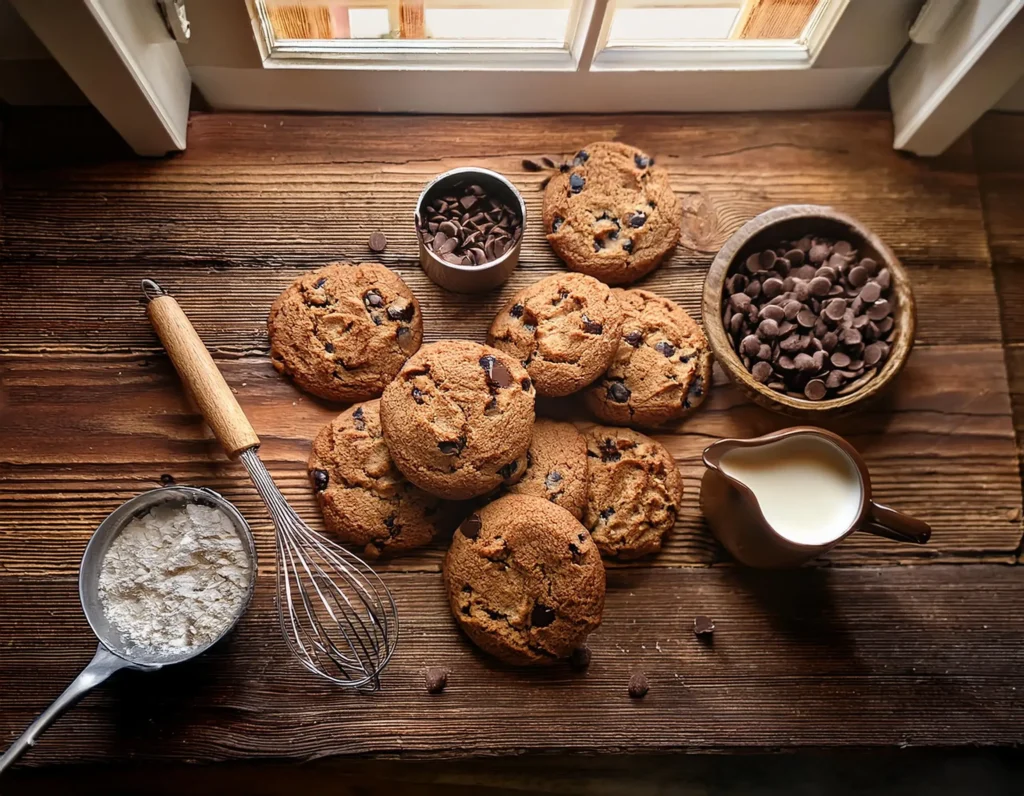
{"x":774,"y":19}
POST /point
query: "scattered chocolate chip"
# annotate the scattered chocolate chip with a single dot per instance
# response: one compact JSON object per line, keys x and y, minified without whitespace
{"x":320,"y":480}
{"x":373,"y":299}
{"x":637,"y":220}
{"x":167,"y":480}
{"x":552,"y":480}
{"x":435,"y":679}
{"x":627,"y":246}
{"x":329,"y":348}
{"x":516,"y":311}
{"x":417,"y":395}
{"x":470,"y":527}
{"x":556,"y":223}
{"x":591,"y":327}
{"x":641,"y":160}
{"x":665,"y":348}
{"x":608,"y":512}
{"x":358,"y":421}
{"x":634,"y":338}
{"x":401,"y":310}
{"x":579,"y":658}
{"x":576,"y":183}
{"x":320,"y":282}
{"x":703,"y":626}
{"x":526,"y":385}
{"x":378,"y":242}
{"x":541,"y":616}
{"x":581,"y":157}
{"x":639,"y":685}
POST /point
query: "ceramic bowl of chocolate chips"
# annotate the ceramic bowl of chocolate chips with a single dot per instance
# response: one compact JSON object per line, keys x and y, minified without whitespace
{"x":808,"y":311}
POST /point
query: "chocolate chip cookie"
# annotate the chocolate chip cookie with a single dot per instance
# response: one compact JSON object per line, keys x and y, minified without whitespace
{"x":525,"y":581}
{"x":662,"y":369}
{"x":343,"y":332}
{"x":556,"y":466}
{"x":458,"y":418}
{"x":564,"y":329}
{"x":363,"y":497}
{"x":634,"y":491}
{"x":611,"y":213}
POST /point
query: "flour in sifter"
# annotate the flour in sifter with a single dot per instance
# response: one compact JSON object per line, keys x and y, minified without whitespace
{"x":175,"y":578}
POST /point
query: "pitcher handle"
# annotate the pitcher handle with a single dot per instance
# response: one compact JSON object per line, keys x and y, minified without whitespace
{"x":887,"y":522}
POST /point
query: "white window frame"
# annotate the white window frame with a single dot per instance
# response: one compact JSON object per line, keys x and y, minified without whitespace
{"x":850,"y":45}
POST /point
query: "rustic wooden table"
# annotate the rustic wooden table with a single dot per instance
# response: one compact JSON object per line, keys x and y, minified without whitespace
{"x":879,"y":645}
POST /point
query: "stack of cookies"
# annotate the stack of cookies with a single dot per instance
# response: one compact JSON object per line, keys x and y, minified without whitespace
{"x":445,"y":434}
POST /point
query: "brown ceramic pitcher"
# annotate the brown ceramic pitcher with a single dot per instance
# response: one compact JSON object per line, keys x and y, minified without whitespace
{"x":812,"y":484}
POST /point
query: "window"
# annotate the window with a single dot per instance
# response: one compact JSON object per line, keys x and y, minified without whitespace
{"x":542,"y":56}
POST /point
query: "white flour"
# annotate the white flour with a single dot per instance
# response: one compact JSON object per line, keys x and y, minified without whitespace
{"x":174,"y":578}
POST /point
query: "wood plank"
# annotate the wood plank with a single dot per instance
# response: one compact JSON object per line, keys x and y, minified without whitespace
{"x":937,"y":448}
{"x":812,"y":658}
{"x":258,"y":199}
{"x":774,"y":19}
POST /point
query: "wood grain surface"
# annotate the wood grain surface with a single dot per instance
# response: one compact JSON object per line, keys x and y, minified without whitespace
{"x":879,"y":645}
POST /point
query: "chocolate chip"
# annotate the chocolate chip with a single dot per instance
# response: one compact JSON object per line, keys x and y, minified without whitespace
{"x":641,"y":160}
{"x":329,"y":348}
{"x":637,"y":220}
{"x":541,"y":616}
{"x":579,"y":658}
{"x":417,"y":395}
{"x":576,"y":183}
{"x":435,"y":679}
{"x":815,"y":389}
{"x":618,"y":392}
{"x":552,"y":480}
{"x":497,"y":374}
{"x":762,"y":371}
{"x":470,"y":527}
{"x":378,"y":242}
{"x":452,"y":448}
{"x":526,"y":385}
{"x":166,"y":479}
{"x":320,"y":480}
{"x":320,"y":282}
{"x":581,"y":157}
{"x":508,"y":470}
{"x":373,"y":299}
{"x":634,"y":338}
{"x":401,"y":310}
{"x":627,"y":246}
{"x":608,"y":512}
{"x":591,"y":327}
{"x":665,"y":348}
{"x":703,"y":626}
{"x":358,"y":421}
{"x":639,"y":685}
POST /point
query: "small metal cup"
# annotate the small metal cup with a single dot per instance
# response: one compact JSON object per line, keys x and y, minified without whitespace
{"x":469,"y":278}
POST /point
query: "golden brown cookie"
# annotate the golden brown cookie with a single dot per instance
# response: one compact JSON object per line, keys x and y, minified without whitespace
{"x":343,"y":332}
{"x":564,"y":329}
{"x":556,"y":466}
{"x":634,"y":491}
{"x":662,"y":369}
{"x":363,"y":497}
{"x":524,"y":580}
{"x":612,"y":213}
{"x":458,"y":418}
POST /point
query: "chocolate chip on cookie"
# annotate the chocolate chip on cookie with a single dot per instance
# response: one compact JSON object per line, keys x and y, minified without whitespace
{"x":634,"y":491}
{"x":611,"y":213}
{"x":343,"y":332}
{"x":363,"y":497}
{"x":662,"y":368}
{"x":458,"y":418}
{"x":564,"y":330}
{"x":529,"y":587}
{"x":556,"y":468}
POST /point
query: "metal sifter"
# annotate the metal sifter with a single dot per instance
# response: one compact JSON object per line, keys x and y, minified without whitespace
{"x":114,"y":652}
{"x":338,"y":617}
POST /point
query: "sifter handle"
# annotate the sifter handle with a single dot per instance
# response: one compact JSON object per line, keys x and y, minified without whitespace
{"x":199,"y":372}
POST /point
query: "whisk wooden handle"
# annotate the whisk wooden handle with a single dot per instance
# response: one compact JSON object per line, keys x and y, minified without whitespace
{"x":201,"y":376}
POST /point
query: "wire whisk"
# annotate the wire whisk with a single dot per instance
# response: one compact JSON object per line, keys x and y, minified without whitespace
{"x":337,"y":615}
